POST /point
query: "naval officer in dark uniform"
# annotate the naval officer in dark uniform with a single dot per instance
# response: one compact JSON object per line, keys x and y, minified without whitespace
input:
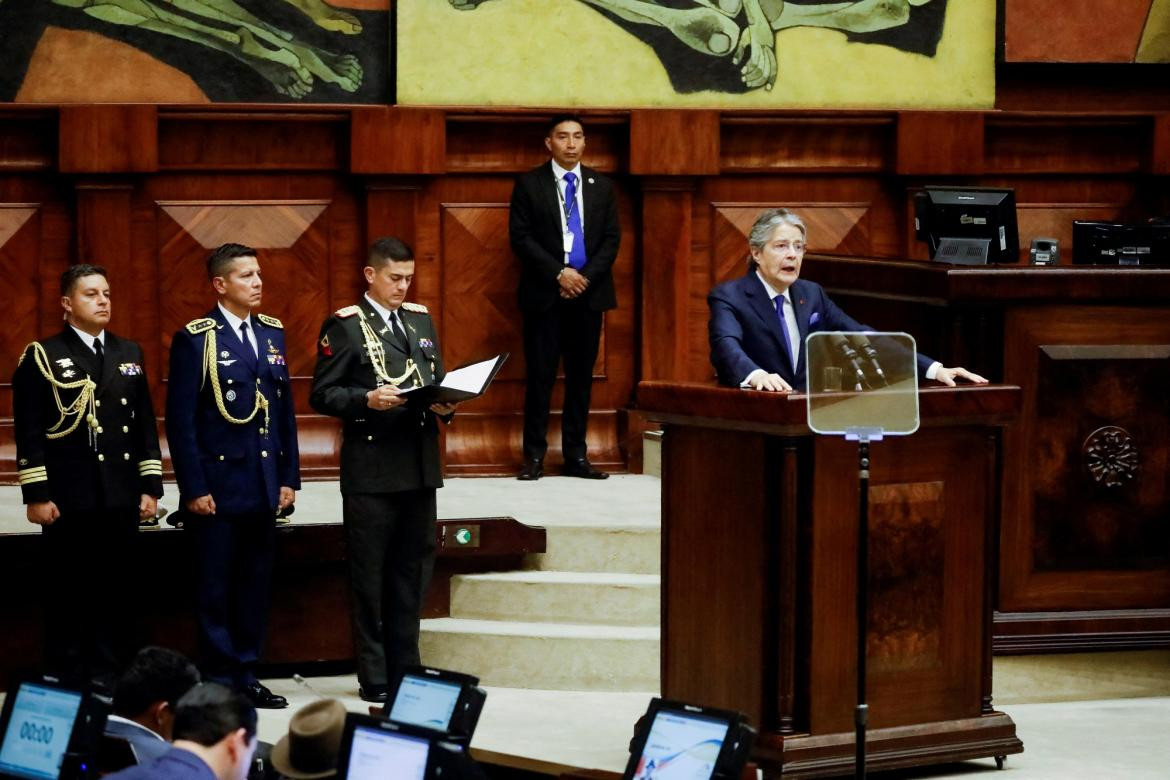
{"x":389,"y":458}
{"x":89,"y":469}
{"x":233,"y":440}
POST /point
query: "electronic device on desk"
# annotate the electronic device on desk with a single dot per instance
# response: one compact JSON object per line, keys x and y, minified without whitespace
{"x":49,"y":731}
{"x":680,"y":740}
{"x":1121,"y":243}
{"x":1045,"y":251}
{"x":968,"y":225}
{"x":375,"y":749}
{"x":446,"y":702}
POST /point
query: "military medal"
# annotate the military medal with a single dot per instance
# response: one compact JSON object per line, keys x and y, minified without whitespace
{"x":224,"y":354}
{"x":230,"y":395}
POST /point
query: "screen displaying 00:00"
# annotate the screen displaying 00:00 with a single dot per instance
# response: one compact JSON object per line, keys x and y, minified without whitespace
{"x":38,"y":732}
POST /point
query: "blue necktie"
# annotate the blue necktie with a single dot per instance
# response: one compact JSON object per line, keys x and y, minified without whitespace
{"x":573,"y":220}
{"x":780,"y":301}
{"x":249,"y":350}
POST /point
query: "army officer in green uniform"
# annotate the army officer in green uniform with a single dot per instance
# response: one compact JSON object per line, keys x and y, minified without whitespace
{"x":367,"y":354}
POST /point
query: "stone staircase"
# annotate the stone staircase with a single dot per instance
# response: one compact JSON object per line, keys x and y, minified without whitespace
{"x":584,"y":616}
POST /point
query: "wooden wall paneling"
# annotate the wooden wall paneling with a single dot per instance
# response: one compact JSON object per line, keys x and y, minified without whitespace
{"x":1160,"y":145}
{"x":108,"y":139}
{"x":937,"y":142}
{"x":104,"y":238}
{"x":1066,"y":145}
{"x":668,"y":325}
{"x":1095,"y":378}
{"x":397,"y":139}
{"x":486,"y":142}
{"x":674,"y":143}
{"x":250,"y":141}
{"x":840,"y":142}
{"x":20,"y":249}
{"x":28,"y":138}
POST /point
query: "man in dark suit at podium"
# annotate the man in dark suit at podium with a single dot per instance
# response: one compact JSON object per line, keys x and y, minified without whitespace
{"x":563,"y":226}
{"x":759,"y":321}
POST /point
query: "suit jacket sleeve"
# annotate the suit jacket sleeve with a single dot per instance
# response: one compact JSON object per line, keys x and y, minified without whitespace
{"x":29,"y":428}
{"x":725,"y":334}
{"x":150,"y":484}
{"x":523,"y":225}
{"x":186,"y":375}
{"x":601,"y":260}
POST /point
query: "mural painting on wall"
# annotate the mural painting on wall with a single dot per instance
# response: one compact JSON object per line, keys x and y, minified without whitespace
{"x":735,"y":53}
{"x":1131,"y":31}
{"x":194,"y":51}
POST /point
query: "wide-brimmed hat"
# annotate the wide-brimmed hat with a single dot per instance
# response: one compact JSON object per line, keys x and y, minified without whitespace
{"x":309,"y":750}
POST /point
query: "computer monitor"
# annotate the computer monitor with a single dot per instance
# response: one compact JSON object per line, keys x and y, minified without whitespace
{"x":374,"y":749}
{"x":687,"y":742}
{"x":48,"y":731}
{"x":1121,"y":243}
{"x":968,"y":225}
{"x":447,"y":702}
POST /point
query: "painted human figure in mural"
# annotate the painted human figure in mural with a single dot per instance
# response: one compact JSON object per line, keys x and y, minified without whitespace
{"x":745,"y":30}
{"x":289,"y":64}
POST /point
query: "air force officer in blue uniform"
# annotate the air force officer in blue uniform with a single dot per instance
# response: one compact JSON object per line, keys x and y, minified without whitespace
{"x":759,"y":321}
{"x":233,"y":441}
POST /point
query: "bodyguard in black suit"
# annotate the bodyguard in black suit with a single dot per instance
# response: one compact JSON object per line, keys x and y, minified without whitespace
{"x":564,"y":228}
{"x":367,"y":354}
{"x":759,"y":322}
{"x":89,"y":469}
{"x":233,"y":439}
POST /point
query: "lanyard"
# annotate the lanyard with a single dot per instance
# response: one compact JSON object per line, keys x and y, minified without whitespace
{"x":566,"y":207}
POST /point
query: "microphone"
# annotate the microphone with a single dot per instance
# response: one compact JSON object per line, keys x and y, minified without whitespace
{"x":869,"y":351}
{"x":841,"y":344}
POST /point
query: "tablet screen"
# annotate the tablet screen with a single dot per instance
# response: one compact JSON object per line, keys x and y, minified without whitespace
{"x":681,"y":746}
{"x":376,"y":754}
{"x":425,"y":702}
{"x":38,"y":731}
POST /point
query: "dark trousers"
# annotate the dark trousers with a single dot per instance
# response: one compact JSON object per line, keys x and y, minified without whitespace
{"x":233,"y":580}
{"x":90,"y":631}
{"x":391,"y":551}
{"x":571,"y":330}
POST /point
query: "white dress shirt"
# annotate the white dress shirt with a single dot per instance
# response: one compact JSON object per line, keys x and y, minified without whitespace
{"x":234,"y":324}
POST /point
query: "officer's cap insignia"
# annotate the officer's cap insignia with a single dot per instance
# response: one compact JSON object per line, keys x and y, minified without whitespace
{"x":195,"y":327}
{"x":348,"y":311}
{"x":415,"y":307}
{"x":271,"y":322}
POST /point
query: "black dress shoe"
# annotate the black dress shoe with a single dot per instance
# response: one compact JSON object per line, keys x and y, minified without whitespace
{"x":264,"y":699}
{"x":533,"y":469}
{"x":584,"y":469}
{"x":376,"y":694}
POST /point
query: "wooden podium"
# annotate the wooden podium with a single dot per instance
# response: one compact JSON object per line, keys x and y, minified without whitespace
{"x":759,"y":520}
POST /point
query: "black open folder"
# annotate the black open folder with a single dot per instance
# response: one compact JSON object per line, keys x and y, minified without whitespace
{"x":460,"y":384}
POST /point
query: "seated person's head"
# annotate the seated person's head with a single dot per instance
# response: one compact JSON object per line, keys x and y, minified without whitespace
{"x":310,"y":748}
{"x":150,"y":688}
{"x":218,"y":725}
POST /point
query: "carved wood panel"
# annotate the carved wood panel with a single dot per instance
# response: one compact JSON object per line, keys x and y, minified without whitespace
{"x":1085,"y":511}
{"x":19,"y":254}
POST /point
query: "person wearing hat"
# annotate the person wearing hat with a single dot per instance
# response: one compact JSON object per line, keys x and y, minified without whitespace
{"x":310,"y":748}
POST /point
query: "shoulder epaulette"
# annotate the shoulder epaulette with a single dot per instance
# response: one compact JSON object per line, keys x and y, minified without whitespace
{"x":25,"y":351}
{"x":348,"y":311}
{"x":271,"y":322}
{"x":415,"y":307}
{"x":195,"y":327}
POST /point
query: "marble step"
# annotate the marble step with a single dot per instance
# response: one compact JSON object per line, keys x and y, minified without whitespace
{"x":550,"y":656}
{"x":630,"y":549}
{"x":558,"y":597}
